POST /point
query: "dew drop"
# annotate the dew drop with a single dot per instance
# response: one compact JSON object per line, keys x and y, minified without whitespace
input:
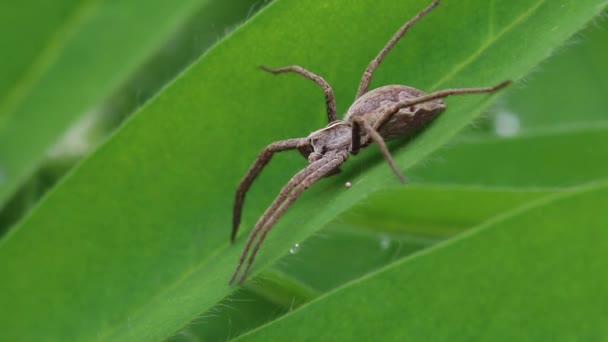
{"x":506,"y":124}
{"x":294,"y":249}
{"x":385,"y":242}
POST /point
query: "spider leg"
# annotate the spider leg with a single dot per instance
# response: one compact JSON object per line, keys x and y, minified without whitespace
{"x":333,"y":162}
{"x":293,"y":182}
{"x":358,"y":123}
{"x":330,"y":100}
{"x":255,"y":169}
{"x":367,"y":75}
{"x":391,"y":110}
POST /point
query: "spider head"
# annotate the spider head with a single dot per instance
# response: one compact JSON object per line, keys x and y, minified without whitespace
{"x":335,"y":137}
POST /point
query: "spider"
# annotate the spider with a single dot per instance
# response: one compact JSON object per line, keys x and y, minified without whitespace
{"x":380,"y":114}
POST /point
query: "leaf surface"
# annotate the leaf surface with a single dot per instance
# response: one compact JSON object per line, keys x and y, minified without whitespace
{"x":547,"y":160}
{"x":536,"y":273}
{"x":66,"y":58}
{"x":135,"y":240}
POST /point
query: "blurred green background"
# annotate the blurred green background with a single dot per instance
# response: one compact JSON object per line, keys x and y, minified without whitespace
{"x":125,"y":127}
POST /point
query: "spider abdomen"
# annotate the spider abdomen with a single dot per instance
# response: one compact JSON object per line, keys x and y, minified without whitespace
{"x":404,"y":122}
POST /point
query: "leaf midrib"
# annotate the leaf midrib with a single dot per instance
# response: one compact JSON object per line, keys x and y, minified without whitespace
{"x":492,"y":38}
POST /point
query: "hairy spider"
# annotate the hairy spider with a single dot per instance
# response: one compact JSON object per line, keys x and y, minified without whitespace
{"x":380,"y":114}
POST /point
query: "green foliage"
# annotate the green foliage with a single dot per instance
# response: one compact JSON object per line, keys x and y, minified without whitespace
{"x":80,"y":53}
{"x":530,"y":274}
{"x":133,"y":244}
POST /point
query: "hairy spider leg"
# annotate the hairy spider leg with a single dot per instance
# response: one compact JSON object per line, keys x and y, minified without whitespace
{"x":367,"y":75}
{"x":358,"y":123}
{"x":293,"y":182}
{"x":330,"y":100}
{"x":263,"y":158}
{"x":335,"y":160}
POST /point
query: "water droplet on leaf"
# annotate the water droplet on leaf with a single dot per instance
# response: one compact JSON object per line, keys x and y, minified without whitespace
{"x":294,"y":249}
{"x":385,"y":242}
{"x":506,"y":124}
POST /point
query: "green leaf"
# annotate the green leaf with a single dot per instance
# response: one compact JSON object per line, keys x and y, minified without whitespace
{"x":558,"y":122}
{"x":49,"y":21}
{"x":64,"y":61}
{"x":549,"y":160}
{"x":392,"y":224}
{"x":201,"y":30}
{"x":386,"y":227}
{"x":241,"y":312}
{"x":134,"y":243}
{"x":536,"y":273}
{"x":568,"y":92}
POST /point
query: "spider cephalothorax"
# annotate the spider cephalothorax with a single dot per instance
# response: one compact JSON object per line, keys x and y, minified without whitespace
{"x":380,"y":114}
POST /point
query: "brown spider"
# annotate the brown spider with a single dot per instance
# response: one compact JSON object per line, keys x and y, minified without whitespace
{"x":381,"y":114}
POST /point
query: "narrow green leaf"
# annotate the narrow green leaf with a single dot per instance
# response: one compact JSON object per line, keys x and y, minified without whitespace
{"x":82,"y":52}
{"x":549,"y":160}
{"x":430,"y":210}
{"x":197,"y":34}
{"x":134,"y":244}
{"x":392,"y":224}
{"x":569,"y":90}
{"x":241,"y":312}
{"x":386,"y":227}
{"x":40,"y":26}
{"x":548,"y":132}
{"x":535,"y":274}
{"x":282,"y":289}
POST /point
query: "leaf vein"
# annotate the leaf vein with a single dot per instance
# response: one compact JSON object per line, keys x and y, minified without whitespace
{"x":484,"y":46}
{"x":45,"y":59}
